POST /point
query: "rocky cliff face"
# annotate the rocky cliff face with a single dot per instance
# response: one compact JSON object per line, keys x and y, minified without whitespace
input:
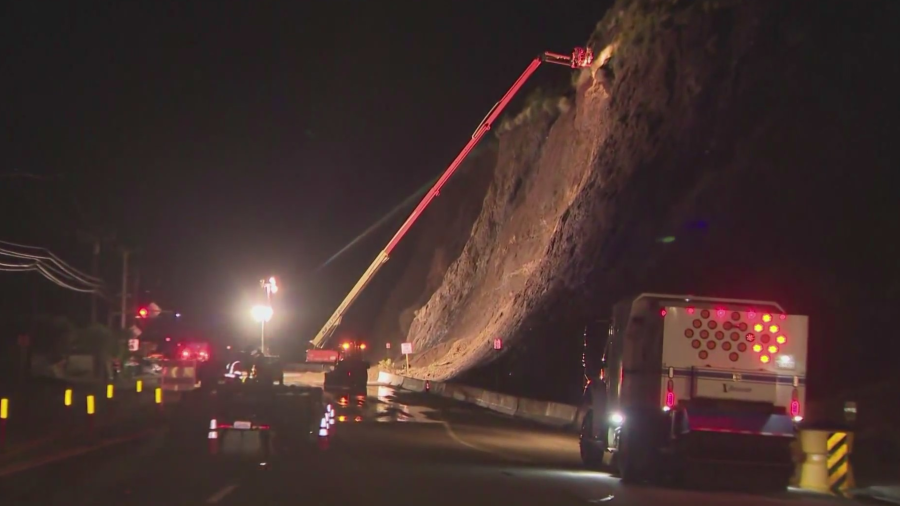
{"x":433,"y":245}
{"x":730,"y":148}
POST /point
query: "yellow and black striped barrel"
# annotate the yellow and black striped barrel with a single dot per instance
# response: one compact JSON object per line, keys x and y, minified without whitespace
{"x":840,"y":473}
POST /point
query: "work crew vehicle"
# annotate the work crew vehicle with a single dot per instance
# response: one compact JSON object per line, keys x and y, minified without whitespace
{"x":699,"y":389}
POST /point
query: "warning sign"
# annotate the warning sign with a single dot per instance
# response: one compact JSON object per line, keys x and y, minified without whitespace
{"x":406,"y":348}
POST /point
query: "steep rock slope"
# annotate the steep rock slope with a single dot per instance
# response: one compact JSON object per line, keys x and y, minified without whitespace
{"x":725,"y":147}
{"x":433,"y":245}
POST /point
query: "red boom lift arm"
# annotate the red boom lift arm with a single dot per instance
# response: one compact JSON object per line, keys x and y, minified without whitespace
{"x":580,"y":58}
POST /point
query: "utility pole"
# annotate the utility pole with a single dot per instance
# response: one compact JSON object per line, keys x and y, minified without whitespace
{"x":135,"y":298}
{"x":95,"y":262}
{"x":122,"y":317}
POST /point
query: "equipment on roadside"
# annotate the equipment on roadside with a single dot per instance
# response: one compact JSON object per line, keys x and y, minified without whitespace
{"x":697,"y":388}
{"x":578,"y":59}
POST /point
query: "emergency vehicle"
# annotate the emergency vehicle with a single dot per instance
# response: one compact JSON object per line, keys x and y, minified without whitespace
{"x":697,"y":389}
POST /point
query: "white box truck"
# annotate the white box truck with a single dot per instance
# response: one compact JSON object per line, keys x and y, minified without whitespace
{"x":700,"y":389}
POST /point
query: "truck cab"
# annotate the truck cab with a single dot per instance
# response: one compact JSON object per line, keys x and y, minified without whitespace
{"x":690,"y":387}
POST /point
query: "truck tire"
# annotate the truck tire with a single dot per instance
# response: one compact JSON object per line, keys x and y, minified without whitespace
{"x":591,"y":451}
{"x":636,"y":456}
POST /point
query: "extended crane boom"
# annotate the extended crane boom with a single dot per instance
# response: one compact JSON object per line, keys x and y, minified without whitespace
{"x":580,"y":58}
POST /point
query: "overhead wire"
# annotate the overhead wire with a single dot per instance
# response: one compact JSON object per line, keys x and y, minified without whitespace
{"x":51,"y":267}
{"x":60,"y":262}
{"x":56,"y":264}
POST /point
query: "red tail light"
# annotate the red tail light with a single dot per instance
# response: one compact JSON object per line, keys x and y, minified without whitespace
{"x":670,"y":395}
{"x":795,"y":403}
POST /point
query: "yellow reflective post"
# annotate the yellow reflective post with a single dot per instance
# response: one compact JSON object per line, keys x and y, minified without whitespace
{"x":67,"y":398}
{"x":109,"y":391}
{"x":158,"y":395}
{"x":840,"y":474}
{"x":4,"y":409}
{"x":90,"y":405}
{"x":139,"y":386}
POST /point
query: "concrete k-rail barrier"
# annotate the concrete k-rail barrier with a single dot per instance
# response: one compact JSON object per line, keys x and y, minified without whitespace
{"x":822,"y":461}
{"x":550,"y":413}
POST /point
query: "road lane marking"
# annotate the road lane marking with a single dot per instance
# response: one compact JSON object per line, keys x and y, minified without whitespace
{"x":452,"y":434}
{"x":218,"y":496}
{"x":67,"y":454}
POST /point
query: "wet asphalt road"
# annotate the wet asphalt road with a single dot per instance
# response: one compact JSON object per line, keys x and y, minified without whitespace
{"x":385,"y":448}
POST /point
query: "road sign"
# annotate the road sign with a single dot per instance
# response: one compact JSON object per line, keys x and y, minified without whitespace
{"x":406,"y":348}
{"x":24,"y":340}
{"x":134,"y":344}
{"x":850,"y":411}
{"x":387,"y":345}
{"x":498,"y":343}
{"x":154,"y":310}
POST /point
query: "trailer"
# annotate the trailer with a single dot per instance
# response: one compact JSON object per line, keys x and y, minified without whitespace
{"x":702,"y":390}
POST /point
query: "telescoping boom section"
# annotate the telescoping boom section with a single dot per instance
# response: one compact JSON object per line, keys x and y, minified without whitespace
{"x":579,"y":58}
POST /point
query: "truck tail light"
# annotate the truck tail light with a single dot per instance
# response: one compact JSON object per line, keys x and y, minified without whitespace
{"x":670,"y":394}
{"x":795,"y":404}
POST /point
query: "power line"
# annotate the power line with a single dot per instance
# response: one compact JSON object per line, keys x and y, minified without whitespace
{"x":68,"y":269}
{"x":51,"y":267}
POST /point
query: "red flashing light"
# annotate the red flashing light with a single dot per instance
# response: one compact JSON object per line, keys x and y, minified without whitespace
{"x":670,"y":394}
{"x":750,"y":337}
{"x":751,"y":315}
{"x":362,"y":346}
{"x":663,"y":312}
{"x":690,"y":310}
{"x":186,"y":354}
{"x":720,"y":312}
{"x":142,"y":312}
{"x":782,"y":316}
{"x":168,"y":339}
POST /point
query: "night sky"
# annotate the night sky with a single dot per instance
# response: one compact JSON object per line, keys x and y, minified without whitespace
{"x":235,"y":140}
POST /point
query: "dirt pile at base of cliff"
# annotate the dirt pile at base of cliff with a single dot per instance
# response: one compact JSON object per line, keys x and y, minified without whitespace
{"x":714,"y":147}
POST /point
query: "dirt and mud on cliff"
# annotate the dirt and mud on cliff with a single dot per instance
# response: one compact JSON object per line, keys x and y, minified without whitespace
{"x":715,"y":147}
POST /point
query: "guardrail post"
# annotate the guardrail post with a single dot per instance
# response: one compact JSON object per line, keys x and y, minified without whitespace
{"x":4,"y":414}
{"x":91,"y":410}
{"x":158,"y":400}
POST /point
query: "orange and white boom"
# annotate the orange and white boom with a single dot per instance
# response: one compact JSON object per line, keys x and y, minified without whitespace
{"x":579,"y":58}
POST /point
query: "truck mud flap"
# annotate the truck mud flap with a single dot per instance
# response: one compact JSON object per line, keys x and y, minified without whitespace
{"x":735,"y":461}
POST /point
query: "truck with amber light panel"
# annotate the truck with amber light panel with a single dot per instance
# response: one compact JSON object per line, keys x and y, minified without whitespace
{"x":692,"y":384}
